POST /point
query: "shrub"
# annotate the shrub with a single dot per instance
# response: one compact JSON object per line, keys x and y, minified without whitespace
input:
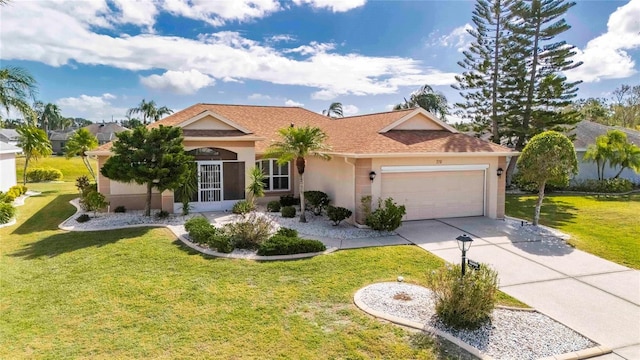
{"x":38,"y":175}
{"x":283,"y":245}
{"x":242,"y":207}
{"x":18,"y":189}
{"x":273,"y":206}
{"x":120,"y":209}
{"x":82,"y":184}
{"x":288,"y":211}
{"x":93,"y":201}
{"x":603,"y":186}
{"x":12,"y":194}
{"x":317,"y":201}
{"x":532,"y":187}
{"x":289,"y":200}
{"x":464,"y":302}
{"x":387,"y":217}
{"x":162,"y":214}
{"x":336,"y":214}
{"x":7,"y":212}
{"x":286,"y":232}
{"x":23,"y":188}
{"x":199,"y":229}
{"x":221,"y":242}
{"x":250,"y":232}
{"x":83,"y":218}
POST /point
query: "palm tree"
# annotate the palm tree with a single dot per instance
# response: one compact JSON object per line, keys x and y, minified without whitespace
{"x":78,"y":145}
{"x":50,"y":117}
{"x":334,"y":109}
{"x":298,"y":143}
{"x":16,"y":87}
{"x":428,"y":99}
{"x":34,"y":143}
{"x":149,"y":111}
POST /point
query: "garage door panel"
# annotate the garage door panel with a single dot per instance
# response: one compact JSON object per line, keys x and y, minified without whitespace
{"x":429,"y":195}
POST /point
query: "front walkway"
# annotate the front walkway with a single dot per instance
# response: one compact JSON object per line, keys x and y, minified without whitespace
{"x":593,"y":296}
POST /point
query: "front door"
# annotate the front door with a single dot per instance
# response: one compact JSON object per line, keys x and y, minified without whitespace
{"x":209,"y":181}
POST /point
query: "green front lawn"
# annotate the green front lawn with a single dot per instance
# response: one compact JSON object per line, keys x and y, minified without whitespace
{"x":139,"y":293}
{"x":71,"y":168}
{"x":606,"y":226}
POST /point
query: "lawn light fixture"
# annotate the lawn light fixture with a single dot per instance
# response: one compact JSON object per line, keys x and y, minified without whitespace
{"x":372,"y":175}
{"x":499,"y":172}
{"x":464,"y":243}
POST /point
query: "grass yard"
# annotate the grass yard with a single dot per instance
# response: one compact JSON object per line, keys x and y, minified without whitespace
{"x":71,"y":168}
{"x":138,"y":293}
{"x":606,"y":226}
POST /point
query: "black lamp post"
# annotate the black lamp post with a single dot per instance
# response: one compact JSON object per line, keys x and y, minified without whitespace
{"x":464,"y":243}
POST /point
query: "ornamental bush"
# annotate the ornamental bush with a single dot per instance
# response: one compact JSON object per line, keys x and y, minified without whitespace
{"x":603,"y":186}
{"x":199,"y":229}
{"x":289,"y":200}
{"x":93,"y":201}
{"x":283,"y":245}
{"x":387,"y":217}
{"x":242,"y":207}
{"x":7,"y":212}
{"x":286,"y":232}
{"x":464,"y":302}
{"x":273,"y":206}
{"x":83,"y":218}
{"x":250,"y":232}
{"x":336,"y":214}
{"x":317,"y":201}
{"x":120,"y":209}
{"x":288,"y":211}
{"x":39,"y":175}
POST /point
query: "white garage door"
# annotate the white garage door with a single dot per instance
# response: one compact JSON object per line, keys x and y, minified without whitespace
{"x":436,"y":194}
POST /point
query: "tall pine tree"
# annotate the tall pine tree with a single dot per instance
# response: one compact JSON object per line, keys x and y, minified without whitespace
{"x":539,"y":93}
{"x":482,"y":84}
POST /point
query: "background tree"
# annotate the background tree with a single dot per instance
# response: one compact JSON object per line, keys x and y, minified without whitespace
{"x":334,"y":110}
{"x":594,"y":109}
{"x":482,"y":83}
{"x":548,"y":158}
{"x":50,"y":117}
{"x":614,"y":148}
{"x":149,"y":111}
{"x":428,"y":99}
{"x":152,"y":157}
{"x":34,"y":144}
{"x":298,"y":143}
{"x":78,"y":145}
{"x":540,"y":93}
{"x":17,"y":87}
{"x":626,"y":106}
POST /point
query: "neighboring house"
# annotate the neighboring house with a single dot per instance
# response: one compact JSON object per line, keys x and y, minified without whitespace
{"x":9,"y":136}
{"x":59,"y":140}
{"x":8,"y":165}
{"x":105,"y":132}
{"x":409,"y":155}
{"x":585,"y":134}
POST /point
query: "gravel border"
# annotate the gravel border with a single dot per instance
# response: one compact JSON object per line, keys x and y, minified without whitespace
{"x":511,"y":334}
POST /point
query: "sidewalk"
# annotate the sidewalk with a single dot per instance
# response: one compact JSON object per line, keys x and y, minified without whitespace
{"x":593,"y":296}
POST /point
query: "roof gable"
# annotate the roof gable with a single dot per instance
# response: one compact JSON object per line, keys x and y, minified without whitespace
{"x":418,"y":119}
{"x":209,"y":120}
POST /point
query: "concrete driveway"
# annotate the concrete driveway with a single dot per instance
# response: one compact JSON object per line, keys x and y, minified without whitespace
{"x":596,"y":297}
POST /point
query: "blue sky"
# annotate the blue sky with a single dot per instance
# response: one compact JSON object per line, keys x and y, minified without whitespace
{"x":97,"y":58}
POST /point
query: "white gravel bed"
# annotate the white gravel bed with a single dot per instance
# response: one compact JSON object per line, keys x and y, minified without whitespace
{"x":511,"y":334}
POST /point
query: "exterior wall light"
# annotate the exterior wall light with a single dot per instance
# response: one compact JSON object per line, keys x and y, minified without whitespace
{"x":372,"y":175}
{"x":499,"y":172}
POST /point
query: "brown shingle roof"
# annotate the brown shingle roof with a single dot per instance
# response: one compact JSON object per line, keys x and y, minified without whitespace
{"x":349,"y":135}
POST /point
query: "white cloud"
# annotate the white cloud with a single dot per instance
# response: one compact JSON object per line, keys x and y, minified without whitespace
{"x":606,"y":56}
{"x":290,"y":102}
{"x":281,"y":38}
{"x":57,"y":38}
{"x":179,"y":82}
{"x":94,"y":108}
{"x":333,"y":5}
{"x":350,"y":110}
{"x":389,"y":107}
{"x":458,"y":38}
{"x":217,"y":13}
{"x":140,"y":12}
{"x":257,"y":96}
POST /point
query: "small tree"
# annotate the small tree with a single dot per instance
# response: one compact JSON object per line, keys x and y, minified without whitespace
{"x":256,"y":184}
{"x":614,"y":148}
{"x":154,"y":157}
{"x":298,"y":143}
{"x":78,"y":145}
{"x":34,"y":143}
{"x":548,"y":158}
{"x":188,"y":186}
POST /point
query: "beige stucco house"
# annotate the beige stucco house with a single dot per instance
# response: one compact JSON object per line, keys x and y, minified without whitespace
{"x":412,"y":156}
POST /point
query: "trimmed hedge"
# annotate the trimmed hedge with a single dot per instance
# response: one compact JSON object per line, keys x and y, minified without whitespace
{"x":39,"y":175}
{"x":7,"y":212}
{"x":317,"y":201}
{"x":289,"y":200}
{"x":336,"y":214}
{"x":273,"y":206}
{"x":603,"y":186}
{"x":202,"y":232}
{"x":288,"y":211}
{"x":283,"y":231}
{"x":283,"y":245}
{"x":387,"y":217}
